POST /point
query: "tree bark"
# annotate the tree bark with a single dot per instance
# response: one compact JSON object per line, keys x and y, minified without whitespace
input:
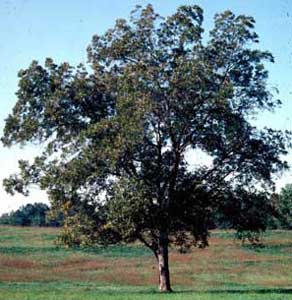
{"x":163,"y":267}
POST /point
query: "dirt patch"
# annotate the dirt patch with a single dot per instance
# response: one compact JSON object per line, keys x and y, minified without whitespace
{"x":17,"y":263}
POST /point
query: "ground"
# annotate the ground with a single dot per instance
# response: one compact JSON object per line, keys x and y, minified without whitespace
{"x":32,"y":267}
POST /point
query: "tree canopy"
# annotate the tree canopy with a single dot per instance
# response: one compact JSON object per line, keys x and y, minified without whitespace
{"x":116,"y":131}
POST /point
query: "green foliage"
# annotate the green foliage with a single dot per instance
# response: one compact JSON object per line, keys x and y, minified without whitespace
{"x":116,"y":131}
{"x":30,"y":215}
{"x":283,"y":202}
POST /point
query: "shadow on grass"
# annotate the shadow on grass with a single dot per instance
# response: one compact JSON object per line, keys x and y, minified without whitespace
{"x":112,"y":290}
{"x":267,"y":291}
{"x":264,"y":291}
{"x":238,"y":291}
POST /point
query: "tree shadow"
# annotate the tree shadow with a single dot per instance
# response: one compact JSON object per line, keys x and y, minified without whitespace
{"x":261,"y":291}
{"x":238,"y":291}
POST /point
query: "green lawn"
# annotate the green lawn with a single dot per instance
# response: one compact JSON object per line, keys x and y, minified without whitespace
{"x":33,"y":267}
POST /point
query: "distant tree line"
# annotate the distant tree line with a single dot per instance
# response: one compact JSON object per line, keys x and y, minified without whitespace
{"x":276,"y":215}
{"x":36,"y":214}
{"x":283,"y":204}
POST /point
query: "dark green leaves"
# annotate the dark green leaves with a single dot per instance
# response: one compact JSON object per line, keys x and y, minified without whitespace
{"x":116,"y":131}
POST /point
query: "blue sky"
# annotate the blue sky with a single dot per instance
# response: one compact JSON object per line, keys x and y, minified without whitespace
{"x":33,"y":29}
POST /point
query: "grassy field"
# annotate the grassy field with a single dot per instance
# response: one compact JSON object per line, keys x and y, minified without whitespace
{"x":32,"y":267}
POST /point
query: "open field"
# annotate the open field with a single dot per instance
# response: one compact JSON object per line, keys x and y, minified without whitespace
{"x":32,"y":267}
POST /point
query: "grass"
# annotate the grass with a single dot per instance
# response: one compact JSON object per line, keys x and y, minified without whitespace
{"x":32,"y":267}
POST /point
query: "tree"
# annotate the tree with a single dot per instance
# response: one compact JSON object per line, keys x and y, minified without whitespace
{"x":249,"y":214}
{"x":116,"y":131}
{"x":29,"y":215}
{"x":5,"y":219}
{"x":284,"y":207}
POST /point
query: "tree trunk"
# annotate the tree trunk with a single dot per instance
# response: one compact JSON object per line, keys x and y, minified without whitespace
{"x":162,"y":259}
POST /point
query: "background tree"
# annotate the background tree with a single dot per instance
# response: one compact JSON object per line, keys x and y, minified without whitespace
{"x":248,"y":213}
{"x":116,"y":132}
{"x":284,"y":207}
{"x":5,"y":219}
{"x":30,"y":215}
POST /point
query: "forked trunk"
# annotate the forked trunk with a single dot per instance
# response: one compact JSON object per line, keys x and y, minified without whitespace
{"x":162,"y":259}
